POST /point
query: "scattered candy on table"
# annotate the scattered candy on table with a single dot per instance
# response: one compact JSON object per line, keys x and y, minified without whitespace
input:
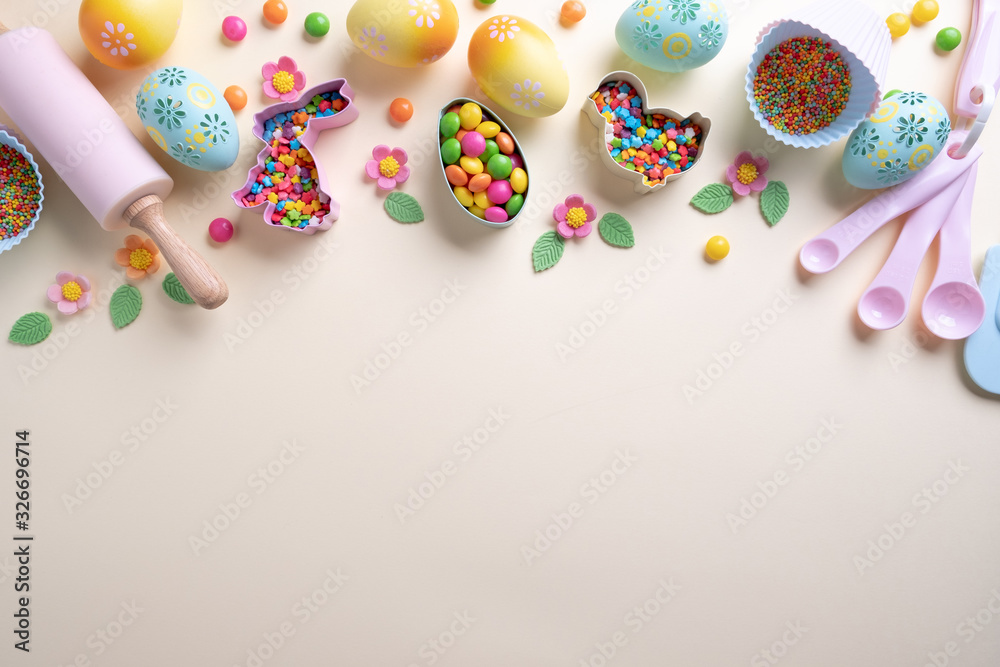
{"x":221,"y":230}
{"x":925,"y":11}
{"x":899,"y":24}
{"x":573,"y":11}
{"x":717,"y":248}
{"x":802,"y":85}
{"x":387,"y":166}
{"x":653,"y":145}
{"x":574,"y":217}
{"x":289,"y":179}
{"x":747,"y":173}
{"x":70,"y":293}
{"x":20,"y":192}
{"x":948,"y":39}
{"x":275,"y":11}
{"x":236,"y":97}
{"x":482,"y":164}
{"x":234,"y":28}
{"x":138,"y":257}
{"x":317,"y":24}
{"x":401,"y":110}
{"x":282,"y":80}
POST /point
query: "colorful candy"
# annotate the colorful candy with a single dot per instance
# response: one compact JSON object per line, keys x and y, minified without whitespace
{"x":289,"y":179}
{"x":653,"y":145}
{"x":899,"y":24}
{"x":479,"y":159}
{"x":317,"y":24}
{"x":236,"y":97}
{"x":573,"y":11}
{"x":234,"y":28}
{"x":401,"y":110}
{"x":802,"y":85}
{"x":275,"y":11}
{"x":925,"y":11}
{"x":20,"y":192}
{"x":717,"y":248}
{"x":221,"y":230}
{"x":948,"y":39}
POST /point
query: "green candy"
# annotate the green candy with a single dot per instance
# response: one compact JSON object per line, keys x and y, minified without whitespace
{"x":317,"y":24}
{"x":514,"y":204}
{"x":450,"y":125}
{"x":451,"y":150}
{"x":499,"y":167}
{"x":491,"y":150}
{"x":948,"y":39}
{"x":894,"y":91}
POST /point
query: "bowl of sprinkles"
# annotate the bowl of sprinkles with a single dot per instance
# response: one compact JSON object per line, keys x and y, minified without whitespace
{"x":816,"y":75}
{"x":20,"y":191}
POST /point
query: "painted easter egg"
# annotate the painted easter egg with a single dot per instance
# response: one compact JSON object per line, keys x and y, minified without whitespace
{"x":673,"y":35}
{"x":127,"y":34}
{"x":516,"y":64}
{"x":902,"y":137}
{"x":188,"y":118}
{"x":403,"y":33}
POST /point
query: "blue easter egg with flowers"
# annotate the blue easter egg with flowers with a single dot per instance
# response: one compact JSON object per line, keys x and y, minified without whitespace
{"x":672,"y":35}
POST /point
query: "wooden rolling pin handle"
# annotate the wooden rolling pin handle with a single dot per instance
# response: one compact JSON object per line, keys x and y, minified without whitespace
{"x":201,"y":281}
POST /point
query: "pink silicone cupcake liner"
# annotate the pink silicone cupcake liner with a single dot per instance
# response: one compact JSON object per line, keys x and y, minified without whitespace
{"x":314,"y":128}
{"x":864,"y":42}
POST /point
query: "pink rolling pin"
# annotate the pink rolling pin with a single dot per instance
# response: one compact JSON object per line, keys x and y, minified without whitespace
{"x":94,"y":152}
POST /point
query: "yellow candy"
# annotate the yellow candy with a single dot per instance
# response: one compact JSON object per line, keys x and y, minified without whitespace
{"x":717,"y":248}
{"x":925,"y":11}
{"x":488,"y":129}
{"x":899,"y":24}
{"x":641,"y":131}
{"x":482,"y":201}
{"x":273,"y":198}
{"x":464,"y":196}
{"x":672,"y":146}
{"x":478,"y":212}
{"x":519,"y":180}
{"x":471,"y":165}
{"x":470,"y":115}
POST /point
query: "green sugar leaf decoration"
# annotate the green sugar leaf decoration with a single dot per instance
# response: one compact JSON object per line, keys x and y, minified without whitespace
{"x":713,"y":198}
{"x":401,"y":207}
{"x":31,"y":329}
{"x":172,"y":286}
{"x":616,"y":230}
{"x":774,"y":202}
{"x":125,"y":305}
{"x":548,"y":251}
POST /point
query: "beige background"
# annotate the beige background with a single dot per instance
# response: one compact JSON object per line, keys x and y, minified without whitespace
{"x":192,"y":418}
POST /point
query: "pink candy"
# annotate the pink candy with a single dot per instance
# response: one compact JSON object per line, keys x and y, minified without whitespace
{"x":221,"y":230}
{"x":234,"y":28}
{"x":496,"y":214}
{"x":499,"y":192}
{"x":473,"y":144}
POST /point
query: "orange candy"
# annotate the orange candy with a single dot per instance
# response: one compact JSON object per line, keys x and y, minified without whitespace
{"x":275,"y":11}
{"x":461,"y":133}
{"x":401,"y":110}
{"x":480,"y":182}
{"x":236,"y":97}
{"x":573,"y":11}
{"x":505,"y":143}
{"x":456,"y":175}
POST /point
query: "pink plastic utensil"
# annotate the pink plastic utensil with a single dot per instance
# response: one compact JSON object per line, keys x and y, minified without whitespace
{"x":954,"y":307}
{"x":885,"y":302}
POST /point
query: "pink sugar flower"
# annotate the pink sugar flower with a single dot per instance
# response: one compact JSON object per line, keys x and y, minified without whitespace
{"x":70,"y":293}
{"x":574,"y":217}
{"x":282,"y":80}
{"x":388,"y":166}
{"x":747,"y":173}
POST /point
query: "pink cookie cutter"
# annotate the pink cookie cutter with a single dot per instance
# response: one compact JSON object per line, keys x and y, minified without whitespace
{"x":314,"y":128}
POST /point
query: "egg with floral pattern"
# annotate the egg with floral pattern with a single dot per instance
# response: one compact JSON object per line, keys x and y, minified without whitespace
{"x":517,"y":66}
{"x":902,"y":137}
{"x":403,"y":33}
{"x":188,"y":118}
{"x":127,"y":34}
{"x":673,"y":35}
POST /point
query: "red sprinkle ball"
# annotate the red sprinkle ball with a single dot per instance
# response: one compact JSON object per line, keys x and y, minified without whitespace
{"x":19,"y":193}
{"x":802,"y":85}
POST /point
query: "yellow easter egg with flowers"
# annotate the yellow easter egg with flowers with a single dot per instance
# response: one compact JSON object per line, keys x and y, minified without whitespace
{"x":517,"y":66}
{"x":403,"y":33}
{"x":127,"y":34}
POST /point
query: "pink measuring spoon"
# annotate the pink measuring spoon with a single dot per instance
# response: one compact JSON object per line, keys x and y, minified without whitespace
{"x":826,"y":251}
{"x":885,"y":302}
{"x":954,"y":307}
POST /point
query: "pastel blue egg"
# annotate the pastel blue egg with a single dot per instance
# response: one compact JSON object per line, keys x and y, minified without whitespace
{"x":902,"y":137}
{"x":672,"y":35}
{"x":188,"y":118}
